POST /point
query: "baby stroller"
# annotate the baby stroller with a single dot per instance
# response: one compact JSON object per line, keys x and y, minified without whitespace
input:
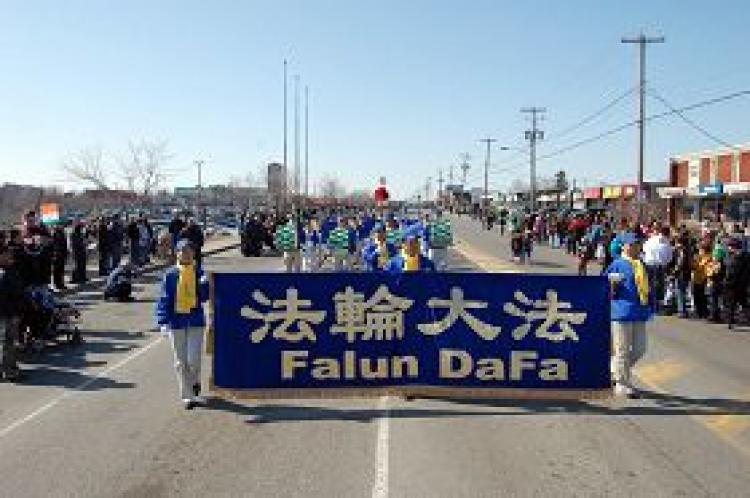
{"x":45,"y":319}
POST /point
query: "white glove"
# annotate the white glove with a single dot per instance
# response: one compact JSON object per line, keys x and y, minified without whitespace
{"x":164,"y":330}
{"x":615,"y":278}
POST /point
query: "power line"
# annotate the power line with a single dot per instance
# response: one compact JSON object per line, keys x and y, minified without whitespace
{"x":653,"y":117}
{"x":689,"y":121}
{"x":591,"y":117}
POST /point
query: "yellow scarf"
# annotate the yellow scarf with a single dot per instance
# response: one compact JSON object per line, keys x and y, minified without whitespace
{"x":411,"y":263}
{"x":186,"y":299}
{"x":641,"y":279}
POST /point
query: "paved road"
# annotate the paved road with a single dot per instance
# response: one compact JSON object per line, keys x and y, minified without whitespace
{"x":103,"y":420}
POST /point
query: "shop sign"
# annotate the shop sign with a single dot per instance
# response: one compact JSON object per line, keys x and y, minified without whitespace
{"x":612,"y":192}
{"x":668,"y":192}
{"x":711,"y":189}
{"x":592,"y":193}
{"x":736,"y":188}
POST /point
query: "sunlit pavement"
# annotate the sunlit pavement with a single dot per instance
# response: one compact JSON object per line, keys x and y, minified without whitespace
{"x":103,"y":420}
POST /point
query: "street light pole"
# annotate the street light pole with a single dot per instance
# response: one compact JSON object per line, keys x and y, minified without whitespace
{"x":201,"y":204}
{"x":489,"y":142}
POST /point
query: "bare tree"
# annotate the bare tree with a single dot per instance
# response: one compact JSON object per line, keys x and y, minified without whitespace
{"x":144,"y":165}
{"x":87,"y":165}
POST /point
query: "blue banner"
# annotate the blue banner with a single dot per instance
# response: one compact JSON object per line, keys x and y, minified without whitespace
{"x":344,"y":330}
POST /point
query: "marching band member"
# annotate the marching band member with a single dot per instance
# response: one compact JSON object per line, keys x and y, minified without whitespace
{"x":410,"y":259}
{"x":439,"y":237}
{"x":287,"y":239}
{"x":311,"y":259}
{"x":338,"y":243}
{"x":377,"y":252}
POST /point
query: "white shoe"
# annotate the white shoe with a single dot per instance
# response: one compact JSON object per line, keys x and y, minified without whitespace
{"x":188,"y":403}
{"x":199,"y":400}
{"x":623,"y":390}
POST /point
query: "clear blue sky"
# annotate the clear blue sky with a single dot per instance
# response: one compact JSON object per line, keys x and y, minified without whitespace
{"x":398,"y":88}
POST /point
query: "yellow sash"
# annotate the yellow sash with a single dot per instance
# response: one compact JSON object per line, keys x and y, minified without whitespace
{"x":411,"y":263}
{"x":641,"y":278}
{"x":186,"y":299}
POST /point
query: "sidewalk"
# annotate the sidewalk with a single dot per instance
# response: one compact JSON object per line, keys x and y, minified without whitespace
{"x":212,"y":246}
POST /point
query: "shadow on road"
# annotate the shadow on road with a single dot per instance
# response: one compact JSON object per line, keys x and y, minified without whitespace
{"x":71,"y":379}
{"x":650,"y":404}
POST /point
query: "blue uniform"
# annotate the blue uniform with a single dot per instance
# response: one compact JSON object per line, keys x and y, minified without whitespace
{"x":626,"y":304}
{"x":165,"y":312}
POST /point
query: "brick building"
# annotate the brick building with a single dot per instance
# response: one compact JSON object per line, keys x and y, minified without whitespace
{"x":712,"y":185}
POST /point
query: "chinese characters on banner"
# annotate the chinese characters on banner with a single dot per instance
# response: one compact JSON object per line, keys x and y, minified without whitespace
{"x":357,"y":330}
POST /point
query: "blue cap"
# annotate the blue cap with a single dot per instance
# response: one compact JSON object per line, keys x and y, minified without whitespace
{"x":628,"y":238}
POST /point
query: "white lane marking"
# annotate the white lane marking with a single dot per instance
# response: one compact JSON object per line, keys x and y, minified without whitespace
{"x":380,"y":486}
{"x":83,"y":385}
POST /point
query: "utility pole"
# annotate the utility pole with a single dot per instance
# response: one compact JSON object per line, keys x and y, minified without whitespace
{"x":296,"y":137}
{"x":307,"y":142}
{"x":465,"y":167}
{"x":533,"y":135}
{"x":286,"y":171}
{"x":450,"y":174}
{"x":199,"y":163}
{"x":642,"y":41}
{"x":489,"y":142}
{"x":440,"y":184}
{"x":427,"y":189}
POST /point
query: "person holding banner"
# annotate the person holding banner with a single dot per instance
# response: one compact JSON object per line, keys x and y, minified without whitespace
{"x":179,"y":312}
{"x":632,"y":307}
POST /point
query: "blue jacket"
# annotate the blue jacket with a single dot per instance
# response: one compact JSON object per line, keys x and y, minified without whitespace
{"x":165,"y":313}
{"x":396,"y":264}
{"x":370,"y":255}
{"x":626,"y":304}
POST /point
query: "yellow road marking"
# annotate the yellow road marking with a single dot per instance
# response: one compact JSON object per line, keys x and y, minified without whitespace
{"x":728,"y":426}
{"x":660,"y":372}
{"x":655,"y":375}
{"x":483,"y":260}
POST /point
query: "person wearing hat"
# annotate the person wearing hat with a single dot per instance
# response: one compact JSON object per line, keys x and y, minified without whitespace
{"x":410,"y":259}
{"x":736,"y":280}
{"x":179,"y":312}
{"x":377,"y":251}
{"x":631,"y":308}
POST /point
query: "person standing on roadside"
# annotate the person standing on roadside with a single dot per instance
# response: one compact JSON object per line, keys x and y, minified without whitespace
{"x":59,"y":257}
{"x":117,"y":237}
{"x":631,"y":308}
{"x":78,"y":246}
{"x":680,"y":271}
{"x":736,"y":281}
{"x":133,"y":235}
{"x":103,"y":244}
{"x":11,"y":302}
{"x":701,"y":266}
{"x":179,"y":313}
{"x":657,"y":255}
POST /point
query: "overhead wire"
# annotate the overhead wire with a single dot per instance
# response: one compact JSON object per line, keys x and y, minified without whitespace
{"x":653,"y":93}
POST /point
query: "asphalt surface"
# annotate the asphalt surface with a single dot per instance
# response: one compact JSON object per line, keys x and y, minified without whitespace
{"x":103,"y":419}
